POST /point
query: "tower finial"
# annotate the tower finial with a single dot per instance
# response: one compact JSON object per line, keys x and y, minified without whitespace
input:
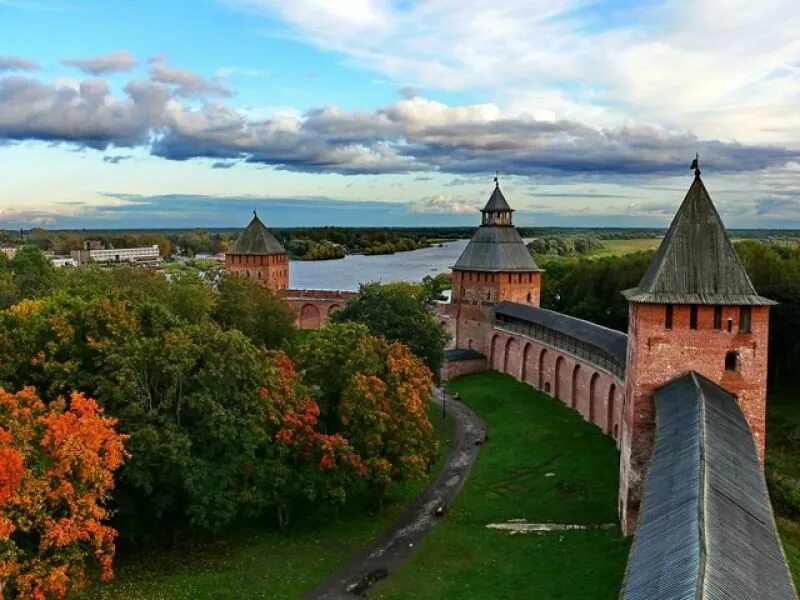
{"x":255,"y":214}
{"x":696,"y":164}
{"x":496,"y":180}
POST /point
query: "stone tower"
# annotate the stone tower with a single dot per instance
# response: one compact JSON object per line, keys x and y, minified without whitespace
{"x":257,"y":255}
{"x":495,"y":266}
{"x":695,"y":309}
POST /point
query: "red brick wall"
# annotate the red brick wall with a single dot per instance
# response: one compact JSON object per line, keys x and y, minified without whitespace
{"x":269,"y":270}
{"x":514,"y":353}
{"x":454,"y":369}
{"x":314,"y":307}
{"x":657,"y":355}
{"x":474,"y":295}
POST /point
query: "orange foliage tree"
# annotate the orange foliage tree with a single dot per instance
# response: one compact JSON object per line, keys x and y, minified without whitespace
{"x":304,"y":464}
{"x":57,"y":467}
{"x":376,"y":394}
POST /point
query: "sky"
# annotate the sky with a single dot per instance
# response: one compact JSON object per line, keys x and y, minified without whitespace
{"x":379,"y":112}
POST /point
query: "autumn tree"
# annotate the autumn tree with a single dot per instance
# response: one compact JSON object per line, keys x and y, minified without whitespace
{"x":382,"y":391}
{"x":57,"y":465}
{"x":302,"y":464}
{"x":400,"y":312}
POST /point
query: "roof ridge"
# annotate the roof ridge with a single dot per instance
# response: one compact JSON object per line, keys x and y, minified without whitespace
{"x":701,"y":494}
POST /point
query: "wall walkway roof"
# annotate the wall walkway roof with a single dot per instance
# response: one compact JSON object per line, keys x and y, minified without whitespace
{"x":706,"y":531}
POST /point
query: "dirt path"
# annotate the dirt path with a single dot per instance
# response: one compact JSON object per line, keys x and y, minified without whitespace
{"x":381,"y":559}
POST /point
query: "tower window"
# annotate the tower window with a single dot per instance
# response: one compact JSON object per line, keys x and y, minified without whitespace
{"x":744,"y":319}
{"x":693,"y":316}
{"x":529,"y":297}
{"x":668,"y":317}
{"x":717,"y":317}
{"x":731,"y":361}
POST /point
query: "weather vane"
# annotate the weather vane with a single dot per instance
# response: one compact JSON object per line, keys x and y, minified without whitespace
{"x":496,"y":181}
{"x":696,"y":164}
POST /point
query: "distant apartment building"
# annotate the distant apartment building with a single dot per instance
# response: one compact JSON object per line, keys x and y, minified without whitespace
{"x":62,"y":261}
{"x":95,"y":252}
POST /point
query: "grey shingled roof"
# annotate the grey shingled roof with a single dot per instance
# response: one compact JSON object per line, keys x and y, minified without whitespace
{"x":706,"y":530}
{"x":696,"y":262}
{"x":614,"y":343}
{"x":497,"y":202}
{"x":256,"y":239}
{"x":496,"y":247}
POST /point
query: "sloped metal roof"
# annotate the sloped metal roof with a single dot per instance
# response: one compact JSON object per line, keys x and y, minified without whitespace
{"x":614,"y":343}
{"x":256,"y":239}
{"x":706,"y":530}
{"x":496,"y":248}
{"x":497,"y":202}
{"x":696,"y":262}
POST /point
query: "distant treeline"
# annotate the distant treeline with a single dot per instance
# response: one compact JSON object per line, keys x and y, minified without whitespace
{"x":319,"y":243}
{"x":564,"y":245}
{"x":590,"y":289}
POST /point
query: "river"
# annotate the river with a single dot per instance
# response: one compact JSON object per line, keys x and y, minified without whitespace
{"x":347,"y":273}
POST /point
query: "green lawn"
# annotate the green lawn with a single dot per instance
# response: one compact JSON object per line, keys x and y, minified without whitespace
{"x":531,"y":437}
{"x":783,"y":444}
{"x":253,"y":560}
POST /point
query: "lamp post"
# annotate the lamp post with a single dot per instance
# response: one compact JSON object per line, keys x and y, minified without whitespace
{"x":444,"y":404}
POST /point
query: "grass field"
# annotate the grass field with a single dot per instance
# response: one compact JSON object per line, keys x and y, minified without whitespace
{"x":783,"y":443}
{"x":620,"y":247}
{"x":542,"y":463}
{"x":254,"y":560}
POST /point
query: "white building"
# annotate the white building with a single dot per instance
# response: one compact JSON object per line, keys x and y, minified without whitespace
{"x":9,"y":251}
{"x":63,"y":261}
{"x":146,"y":254}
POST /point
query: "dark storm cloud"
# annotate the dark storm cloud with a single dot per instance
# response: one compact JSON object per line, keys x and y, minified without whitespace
{"x":16,"y":63}
{"x":115,"y":62}
{"x":413,"y":134}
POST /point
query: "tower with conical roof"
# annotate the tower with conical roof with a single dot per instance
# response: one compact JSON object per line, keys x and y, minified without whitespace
{"x":695,"y":309}
{"x":495,"y":266}
{"x":258,"y":256}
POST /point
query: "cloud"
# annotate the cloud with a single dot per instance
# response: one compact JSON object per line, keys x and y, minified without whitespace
{"x":114,"y":160}
{"x":410,"y":135}
{"x":16,"y":63}
{"x":85,"y":114}
{"x":121,"y":60}
{"x":596,"y":62}
{"x":185,"y":82}
{"x":445,"y":204}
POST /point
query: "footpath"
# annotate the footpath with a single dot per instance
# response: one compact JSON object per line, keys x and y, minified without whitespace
{"x":381,"y":559}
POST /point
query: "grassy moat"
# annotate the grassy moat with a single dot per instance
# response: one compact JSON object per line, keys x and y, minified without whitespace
{"x":543,"y":463}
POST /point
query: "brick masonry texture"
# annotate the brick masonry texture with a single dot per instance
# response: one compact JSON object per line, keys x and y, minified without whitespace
{"x":657,"y":355}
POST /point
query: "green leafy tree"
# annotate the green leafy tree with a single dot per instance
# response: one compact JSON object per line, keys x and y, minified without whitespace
{"x":254,"y":310}
{"x":400,"y":313}
{"x":34,"y":273}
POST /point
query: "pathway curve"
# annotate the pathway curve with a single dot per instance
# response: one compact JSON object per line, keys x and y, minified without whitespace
{"x":379,"y":560}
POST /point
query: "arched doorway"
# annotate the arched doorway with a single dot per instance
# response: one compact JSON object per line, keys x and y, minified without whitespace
{"x":542,"y":355}
{"x":525,"y":356}
{"x":559,"y":368}
{"x":511,"y":346}
{"x":612,"y":402}
{"x":573,"y":398}
{"x":333,"y":308}
{"x":494,"y":360}
{"x":309,"y":317}
{"x":592,"y":396}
